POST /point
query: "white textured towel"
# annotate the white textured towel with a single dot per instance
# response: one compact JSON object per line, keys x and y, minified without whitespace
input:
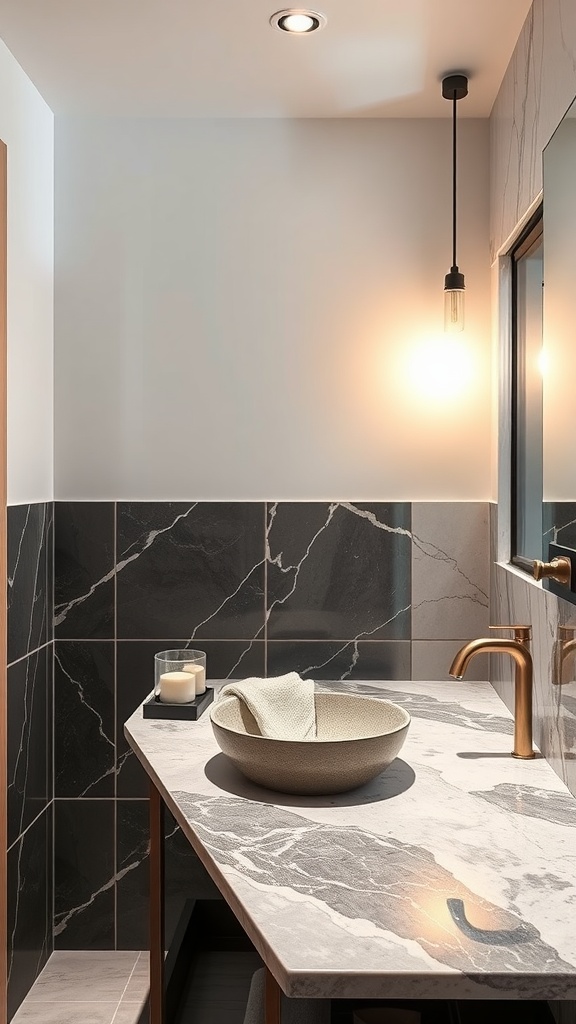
{"x":283,"y":706}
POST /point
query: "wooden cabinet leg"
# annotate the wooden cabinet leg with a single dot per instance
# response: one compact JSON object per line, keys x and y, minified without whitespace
{"x":156,"y":907}
{"x":272,"y":1010}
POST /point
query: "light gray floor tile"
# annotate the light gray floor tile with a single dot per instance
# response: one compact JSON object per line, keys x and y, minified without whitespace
{"x":127,"y":1013}
{"x":137,"y":987}
{"x":88,"y":975}
{"x":65,"y":1013}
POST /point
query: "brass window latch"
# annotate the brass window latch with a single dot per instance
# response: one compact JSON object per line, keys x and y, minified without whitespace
{"x":559,"y":570}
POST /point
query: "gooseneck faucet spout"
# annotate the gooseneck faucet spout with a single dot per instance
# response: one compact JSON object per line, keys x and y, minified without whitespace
{"x":522,"y":680}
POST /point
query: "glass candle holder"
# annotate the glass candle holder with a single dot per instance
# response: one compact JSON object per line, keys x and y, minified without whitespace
{"x":179,"y":676}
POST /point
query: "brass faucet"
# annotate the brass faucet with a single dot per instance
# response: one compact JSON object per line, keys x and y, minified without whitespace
{"x":522,"y":680}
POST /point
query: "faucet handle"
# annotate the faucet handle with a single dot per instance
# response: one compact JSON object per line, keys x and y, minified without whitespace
{"x":522,"y":634}
{"x":559,"y":570}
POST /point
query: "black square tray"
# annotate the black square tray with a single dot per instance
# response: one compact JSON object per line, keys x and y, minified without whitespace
{"x":154,"y":708}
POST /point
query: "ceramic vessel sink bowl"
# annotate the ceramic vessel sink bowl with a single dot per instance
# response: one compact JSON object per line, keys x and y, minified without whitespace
{"x":357,"y":738}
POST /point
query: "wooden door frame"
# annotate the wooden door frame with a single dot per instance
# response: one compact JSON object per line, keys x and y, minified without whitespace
{"x":3,"y":598}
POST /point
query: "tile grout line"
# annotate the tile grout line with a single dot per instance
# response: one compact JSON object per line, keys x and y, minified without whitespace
{"x":28,"y":827}
{"x":96,"y":799}
{"x":236,"y":640}
{"x":30,"y":654}
{"x":125,"y":989}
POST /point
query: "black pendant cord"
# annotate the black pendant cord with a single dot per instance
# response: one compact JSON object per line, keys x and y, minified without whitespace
{"x":454,"y":181}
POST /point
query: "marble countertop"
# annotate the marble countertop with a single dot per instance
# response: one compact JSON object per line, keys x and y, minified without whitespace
{"x":452,"y":875}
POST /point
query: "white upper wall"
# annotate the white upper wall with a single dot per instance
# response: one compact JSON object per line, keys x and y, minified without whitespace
{"x":27,"y":128}
{"x":252,"y":309}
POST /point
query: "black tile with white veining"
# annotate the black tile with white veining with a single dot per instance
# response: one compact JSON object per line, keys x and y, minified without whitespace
{"x":338,"y":571}
{"x":559,"y":524}
{"x":186,"y":878}
{"x":84,"y":744}
{"x":132,"y":849}
{"x":84,"y":566}
{"x":232,"y":659}
{"x":29,"y":750}
{"x":29,"y":908}
{"x":193,"y":570}
{"x":316,"y":659}
{"x":51,"y":718}
{"x":27,"y":578}
{"x":50,"y":571}
{"x":84,"y":874}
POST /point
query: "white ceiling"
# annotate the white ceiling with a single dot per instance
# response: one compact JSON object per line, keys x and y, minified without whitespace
{"x":220,"y":58}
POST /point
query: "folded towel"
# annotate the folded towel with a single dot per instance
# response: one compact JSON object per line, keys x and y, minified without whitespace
{"x":283,"y":706}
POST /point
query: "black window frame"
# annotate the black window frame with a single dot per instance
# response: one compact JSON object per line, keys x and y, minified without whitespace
{"x":531,"y":237}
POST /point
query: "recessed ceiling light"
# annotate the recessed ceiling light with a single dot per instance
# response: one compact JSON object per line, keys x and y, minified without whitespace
{"x":297,"y":22}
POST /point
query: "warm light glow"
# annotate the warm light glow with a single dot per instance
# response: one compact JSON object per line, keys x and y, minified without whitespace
{"x":297,"y":23}
{"x":543,"y":362}
{"x":440,"y":370}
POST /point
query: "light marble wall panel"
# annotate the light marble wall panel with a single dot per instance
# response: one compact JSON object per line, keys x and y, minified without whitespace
{"x":539,"y":85}
{"x":450,"y":570}
{"x":537,"y":89}
{"x":516,"y":599}
{"x":431,"y":659}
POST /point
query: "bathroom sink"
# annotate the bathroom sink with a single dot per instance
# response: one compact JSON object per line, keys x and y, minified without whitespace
{"x":357,"y":738}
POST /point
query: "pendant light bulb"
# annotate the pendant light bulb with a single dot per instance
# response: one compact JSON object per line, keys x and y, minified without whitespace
{"x":454,"y":288}
{"x":454,"y":88}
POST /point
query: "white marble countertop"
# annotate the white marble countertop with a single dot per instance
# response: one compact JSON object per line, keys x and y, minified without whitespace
{"x":452,"y":875}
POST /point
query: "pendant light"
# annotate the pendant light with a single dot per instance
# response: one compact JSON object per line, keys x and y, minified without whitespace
{"x":454,"y":88}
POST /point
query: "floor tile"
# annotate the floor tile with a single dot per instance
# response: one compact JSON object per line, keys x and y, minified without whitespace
{"x":70,"y":976}
{"x":66,"y":1013}
{"x":128,"y":1013}
{"x":137,"y":987}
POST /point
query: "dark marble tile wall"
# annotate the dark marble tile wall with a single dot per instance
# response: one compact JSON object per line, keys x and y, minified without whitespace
{"x":559,"y":524}
{"x":30,"y":749}
{"x":323,"y":588}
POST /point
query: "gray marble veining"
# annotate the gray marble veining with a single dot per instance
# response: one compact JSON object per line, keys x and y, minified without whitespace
{"x":450,"y":571}
{"x":453,"y":875}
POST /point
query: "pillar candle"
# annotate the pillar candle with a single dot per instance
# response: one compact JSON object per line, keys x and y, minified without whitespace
{"x":199,"y":674}
{"x":177,"y":688}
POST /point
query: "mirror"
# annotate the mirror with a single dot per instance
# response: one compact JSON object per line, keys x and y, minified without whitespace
{"x":558,"y":357}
